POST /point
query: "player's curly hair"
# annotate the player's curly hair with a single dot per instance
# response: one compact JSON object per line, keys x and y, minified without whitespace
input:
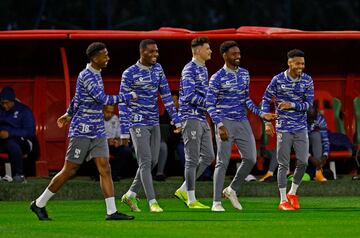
{"x":145,"y":43}
{"x":295,"y":53}
{"x":225,"y":46}
{"x":94,"y":48}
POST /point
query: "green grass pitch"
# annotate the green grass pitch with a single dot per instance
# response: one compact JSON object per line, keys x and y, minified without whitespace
{"x":318,"y":217}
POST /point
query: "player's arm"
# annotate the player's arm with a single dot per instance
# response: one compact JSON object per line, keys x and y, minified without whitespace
{"x":165,"y":94}
{"x":188,"y":82}
{"x":301,"y":106}
{"x":97,"y":92}
{"x":211,"y":101}
{"x":269,"y":93}
{"x":255,"y":109}
{"x":124,"y":114}
{"x":324,"y":135}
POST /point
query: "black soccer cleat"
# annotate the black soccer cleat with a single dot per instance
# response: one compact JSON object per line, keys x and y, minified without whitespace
{"x":40,"y":212}
{"x":118,"y":216}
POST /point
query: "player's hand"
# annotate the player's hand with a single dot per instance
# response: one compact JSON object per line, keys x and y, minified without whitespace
{"x":285,"y":105}
{"x":178,"y":130}
{"x":269,"y":129}
{"x":323,"y":160}
{"x":111,"y":141}
{"x":124,"y":141}
{"x":223,"y":133}
{"x":4,"y":134}
{"x":269,"y":116}
{"x":63,"y":120}
{"x":117,"y":142}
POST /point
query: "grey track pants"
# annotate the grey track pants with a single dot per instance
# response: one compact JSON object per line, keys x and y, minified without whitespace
{"x":241,"y":134}
{"x":199,"y":150}
{"x":146,"y":140}
{"x":300,"y":142}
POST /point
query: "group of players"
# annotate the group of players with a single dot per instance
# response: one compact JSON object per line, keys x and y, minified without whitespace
{"x":225,"y":97}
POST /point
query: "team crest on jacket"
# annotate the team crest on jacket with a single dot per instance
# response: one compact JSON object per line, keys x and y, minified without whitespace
{"x":193,"y":135}
{"x":138,"y":132}
{"x":16,"y":114}
{"x":77,"y":153}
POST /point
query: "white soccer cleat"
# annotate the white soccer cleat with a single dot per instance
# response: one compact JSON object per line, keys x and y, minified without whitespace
{"x":217,"y":208}
{"x":231,"y":195}
{"x":7,"y":178}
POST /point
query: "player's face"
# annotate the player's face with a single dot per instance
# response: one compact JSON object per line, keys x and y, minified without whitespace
{"x":232,"y":56}
{"x":149,"y":55}
{"x":205,"y":52}
{"x":7,"y":105}
{"x":296,"y":66}
{"x":108,"y":112}
{"x":102,"y":58}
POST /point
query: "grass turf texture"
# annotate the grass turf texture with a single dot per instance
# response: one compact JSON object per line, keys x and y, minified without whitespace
{"x":318,"y":217}
{"x":82,"y":188}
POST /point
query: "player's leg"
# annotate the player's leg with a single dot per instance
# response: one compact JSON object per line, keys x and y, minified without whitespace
{"x":192,"y":133}
{"x":245,"y":142}
{"x":316,"y":147}
{"x":222,"y":162}
{"x":301,"y":147}
{"x":140,"y":137}
{"x":283,"y":150}
{"x":147,"y":181}
{"x":107,"y":187}
{"x":76,"y":153}
{"x":160,"y":174}
{"x":207,"y":155}
{"x":272,"y":167}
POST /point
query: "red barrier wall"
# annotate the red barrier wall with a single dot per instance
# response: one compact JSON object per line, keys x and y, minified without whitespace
{"x":43,"y":74}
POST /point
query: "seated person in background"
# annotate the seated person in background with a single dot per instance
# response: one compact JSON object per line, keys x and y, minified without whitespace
{"x":17,"y":130}
{"x":319,"y":141}
{"x":319,"y":145}
{"x":160,"y":175}
{"x":122,"y":161}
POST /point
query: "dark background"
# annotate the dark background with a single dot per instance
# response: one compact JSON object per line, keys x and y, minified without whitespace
{"x":194,"y":15}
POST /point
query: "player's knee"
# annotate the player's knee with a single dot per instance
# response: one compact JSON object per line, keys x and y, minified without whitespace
{"x":69,"y":173}
{"x":105,"y":170}
{"x":302,"y":163}
{"x":220,"y":165}
{"x":146,"y":164}
{"x":191,"y":163}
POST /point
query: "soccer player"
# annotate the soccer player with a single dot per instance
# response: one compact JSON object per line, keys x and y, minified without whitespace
{"x":227,"y":100}
{"x":87,"y":133}
{"x":294,"y":94}
{"x":199,"y":150}
{"x":318,"y":142}
{"x":141,"y":119}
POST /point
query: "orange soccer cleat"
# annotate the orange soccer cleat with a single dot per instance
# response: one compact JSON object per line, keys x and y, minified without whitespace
{"x":285,"y":206}
{"x":293,"y":199}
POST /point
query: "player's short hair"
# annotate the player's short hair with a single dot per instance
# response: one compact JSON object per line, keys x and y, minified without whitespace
{"x":295,"y":53}
{"x":144,"y":43}
{"x":94,"y":48}
{"x":199,"y":41}
{"x":225,"y":46}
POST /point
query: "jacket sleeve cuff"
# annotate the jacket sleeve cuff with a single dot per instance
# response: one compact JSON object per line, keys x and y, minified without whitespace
{"x":125,"y":136}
